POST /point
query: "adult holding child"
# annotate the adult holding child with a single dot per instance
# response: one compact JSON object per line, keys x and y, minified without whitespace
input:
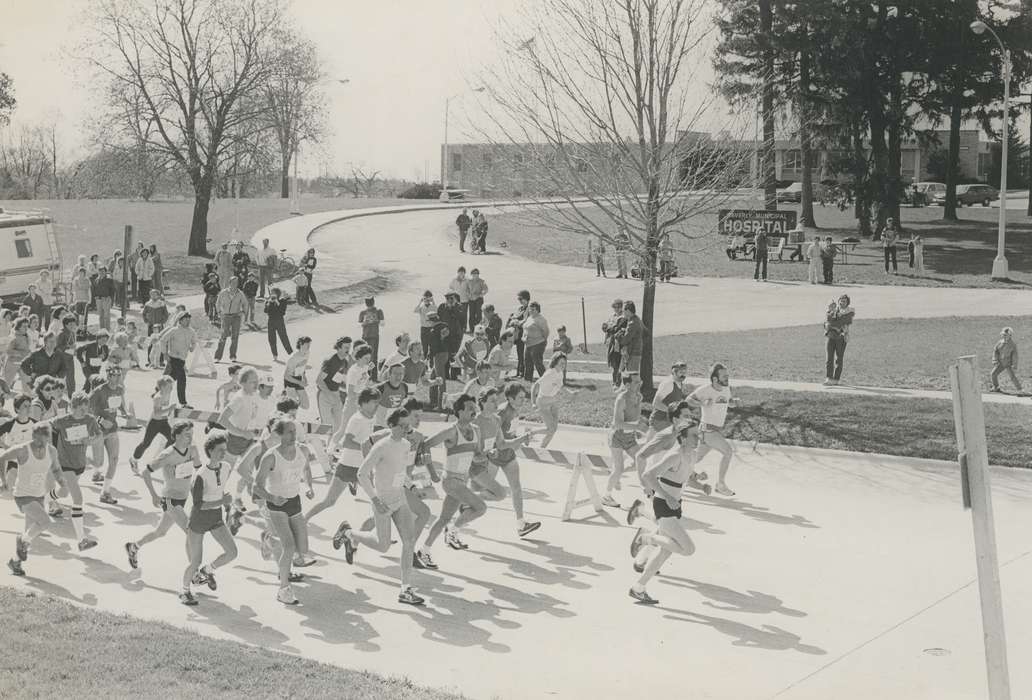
{"x":837,"y":321}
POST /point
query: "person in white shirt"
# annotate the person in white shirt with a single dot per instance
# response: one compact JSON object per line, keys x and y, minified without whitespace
{"x":714,"y":400}
{"x":266,"y":260}
{"x":144,"y":275}
{"x":357,"y":379}
{"x":546,"y":392}
{"x":813,"y":254}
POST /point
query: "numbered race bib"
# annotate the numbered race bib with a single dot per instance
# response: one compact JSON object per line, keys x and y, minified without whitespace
{"x":340,"y":377}
{"x":77,"y":433}
{"x":95,"y":362}
{"x":114,"y":402}
{"x":481,"y":354}
{"x":184,"y":470}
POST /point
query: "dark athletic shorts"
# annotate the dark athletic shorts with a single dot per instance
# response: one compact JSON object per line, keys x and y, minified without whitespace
{"x":662,"y":509}
{"x":504,"y":456}
{"x":237,"y":445}
{"x":22,"y":501}
{"x":345,"y":473}
{"x":622,"y":440}
{"x":205,"y":519}
{"x":292,"y":507}
{"x":73,"y":470}
{"x":169,"y":503}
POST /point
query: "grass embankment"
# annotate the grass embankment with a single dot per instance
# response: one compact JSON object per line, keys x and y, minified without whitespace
{"x":53,"y":649}
{"x":912,"y":353}
{"x":957,"y":253}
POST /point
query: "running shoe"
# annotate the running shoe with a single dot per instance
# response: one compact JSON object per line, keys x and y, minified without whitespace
{"x":302,"y":561}
{"x":296,"y":577}
{"x":528,"y":527}
{"x":187,"y":598}
{"x":266,"y":545}
{"x":108,"y":499}
{"x":97,"y":478}
{"x":416,"y":563}
{"x":133,"y":550}
{"x":723,"y":490}
{"x":236,"y":520}
{"x":87,"y":542}
{"x":285,"y":595}
{"x":642,"y":597}
{"x":349,"y":548}
{"x":637,"y":543}
{"x":608,"y":500}
{"x":408,"y":597}
{"x":453,"y":541}
{"x":634,"y":511}
{"x":15,"y":566}
{"x":21,"y":548}
{"x":341,"y":534}
{"x":426,"y":560}
{"x":55,"y":510}
{"x":209,"y":578}
{"x":134,"y":466}
{"x":199,"y":578}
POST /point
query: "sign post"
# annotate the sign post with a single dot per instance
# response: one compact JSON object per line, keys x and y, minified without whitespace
{"x":969,"y":422}
{"x":127,"y":243}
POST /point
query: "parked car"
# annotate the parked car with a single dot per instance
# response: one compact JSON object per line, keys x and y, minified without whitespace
{"x":922,"y":194}
{"x":971,"y":195}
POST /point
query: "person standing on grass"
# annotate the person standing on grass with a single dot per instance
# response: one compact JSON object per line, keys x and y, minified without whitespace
{"x":630,"y":339}
{"x":371,"y":318}
{"x":535,"y":341}
{"x":760,"y":255}
{"x":828,"y":253}
{"x":275,"y":312}
{"x":1005,"y":359}
{"x":622,"y":245}
{"x":888,"y":238}
{"x":134,"y":282}
{"x":176,"y":343}
{"x":463,"y":222}
{"x":919,"y":268}
{"x":515,"y":322}
{"x":159,"y":269}
{"x":266,"y":265}
{"x":144,"y":276}
{"x":813,"y":255}
{"x":838,"y":319}
{"x":600,"y":256}
{"x":230,"y":305}
{"x":611,"y":328}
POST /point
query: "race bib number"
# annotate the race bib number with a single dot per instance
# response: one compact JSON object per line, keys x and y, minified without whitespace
{"x":184,"y":470}
{"x":340,"y":377}
{"x":114,"y":402}
{"x":481,"y":354}
{"x":77,"y":433}
{"x":95,"y":362}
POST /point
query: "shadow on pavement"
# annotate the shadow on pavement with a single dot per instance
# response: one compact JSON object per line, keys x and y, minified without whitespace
{"x":764,"y":637}
{"x":753,"y":511}
{"x":730,"y":600}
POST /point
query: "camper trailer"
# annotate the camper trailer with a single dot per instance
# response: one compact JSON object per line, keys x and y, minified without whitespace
{"x":27,"y":245}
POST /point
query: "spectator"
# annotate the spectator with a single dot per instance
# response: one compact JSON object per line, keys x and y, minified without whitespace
{"x":144,"y":275}
{"x":480,"y":233}
{"x":223,"y":265}
{"x":241,"y":262}
{"x":476,"y":290}
{"x":250,"y":290}
{"x":622,"y":245}
{"x":492,"y":323}
{"x":535,"y":341}
{"x":838,"y":319}
{"x":612,"y":328}
{"x":460,"y":286}
{"x":155,"y":313}
{"x":45,"y":361}
{"x":562,"y":345}
{"x":424,"y":308}
{"x":82,"y":295}
{"x":463,"y":222}
{"x":116,"y":269}
{"x":451,"y":314}
{"x":813,"y":254}
{"x":371,"y":318}
{"x":35,"y":302}
{"x":760,"y":255}
{"x":919,"y":268}
{"x":308,"y":264}
{"x":402,"y":342}
{"x":630,"y":339}
{"x":230,"y":305}
{"x":176,"y":344}
{"x":267,"y":258}
{"x":134,"y":282}
{"x":888,"y":237}
{"x":301,"y":288}
{"x":515,"y":322}
{"x":45,"y":287}
{"x":103,"y":297}
{"x":731,"y":247}
{"x":66,"y":345}
{"x":275,"y":312}
{"x":828,"y":253}
{"x":1005,"y":359}
{"x":211,"y":294}
{"x":474,"y":350}
{"x":159,"y":269}
{"x":666,"y":258}
{"x":439,"y":350}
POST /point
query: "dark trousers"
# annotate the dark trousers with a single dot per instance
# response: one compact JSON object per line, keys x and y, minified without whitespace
{"x":519,"y":357}
{"x":828,"y":266}
{"x":464,"y":317}
{"x":761,"y":262}
{"x":264,"y":278}
{"x":890,"y":252}
{"x":615,"y":360}
{"x":600,"y":268}
{"x":463,"y":232}
{"x":145,"y":287}
{"x":155,"y":427}
{"x":475,"y":312}
{"x":278,"y":327}
{"x":374,"y":345}
{"x":836,"y":350}
{"x":231,"y":330}
{"x":440,"y":370}
{"x":176,"y":368}
{"x":534,"y":359}
{"x":424,"y":340}
{"x":797,"y":254}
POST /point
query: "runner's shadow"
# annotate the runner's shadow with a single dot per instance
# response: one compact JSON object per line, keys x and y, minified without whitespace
{"x":52,"y":589}
{"x":554,"y":553}
{"x":731,"y":600}
{"x":753,"y":511}
{"x":522,"y":601}
{"x":765,"y":637}
{"x":99,"y":571}
{"x":526,"y":571}
{"x":242,"y":624}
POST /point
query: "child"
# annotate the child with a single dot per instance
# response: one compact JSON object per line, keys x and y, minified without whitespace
{"x":211,"y":292}
{"x":563,"y":345}
{"x":301,"y":282}
{"x":1005,"y":359}
{"x":121,"y":355}
{"x":155,"y":313}
{"x":250,"y":290}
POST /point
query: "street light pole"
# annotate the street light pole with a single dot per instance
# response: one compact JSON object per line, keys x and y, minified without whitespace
{"x":1000,"y":268}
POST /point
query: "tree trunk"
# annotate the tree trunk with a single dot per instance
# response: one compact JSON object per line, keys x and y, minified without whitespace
{"x":949,"y":212}
{"x":805,"y":150}
{"x":1028,"y":211}
{"x":767,"y":153}
{"x":285,"y":175}
{"x":894,"y":184}
{"x":880,"y":176}
{"x":648,"y":296}
{"x":198,"y":244}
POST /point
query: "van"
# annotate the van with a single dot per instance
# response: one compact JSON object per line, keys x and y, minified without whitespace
{"x":27,"y":246}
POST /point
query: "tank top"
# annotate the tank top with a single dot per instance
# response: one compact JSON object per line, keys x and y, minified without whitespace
{"x":488,"y":425}
{"x":632,"y":407}
{"x":214,"y":481}
{"x":674,"y":397}
{"x":182,"y":471}
{"x":460,"y":455}
{"x":32,"y":475}
{"x":390,"y":471}
{"x":285,"y":476}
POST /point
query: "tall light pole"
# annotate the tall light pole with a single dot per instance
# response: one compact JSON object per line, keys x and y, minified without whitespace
{"x":295,"y":189}
{"x":1000,"y":267}
{"x":446,"y":166}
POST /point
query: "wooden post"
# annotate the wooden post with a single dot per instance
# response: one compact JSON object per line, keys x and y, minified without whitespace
{"x":969,"y":421}
{"x":127,"y":243}
{"x":584,"y":326}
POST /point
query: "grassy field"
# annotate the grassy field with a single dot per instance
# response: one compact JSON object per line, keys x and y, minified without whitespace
{"x":910,"y":353}
{"x":53,"y":649}
{"x":958,"y":254}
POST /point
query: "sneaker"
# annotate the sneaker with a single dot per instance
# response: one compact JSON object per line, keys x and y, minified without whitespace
{"x":634,"y":511}
{"x":87,"y":542}
{"x":426,"y":560}
{"x":608,"y":500}
{"x":285,"y":595}
{"x":134,"y":466}
{"x":209,"y":578}
{"x":723,"y":490}
{"x":637,"y":543}
{"x":528,"y":527}
{"x":408,"y":597}
{"x":341,"y":534}
{"x":266,"y":545}
{"x":21,"y":548}
{"x":295,"y":577}
{"x":416,"y":563}
{"x":349,"y":548}
{"x":453,"y":541}
{"x":199,"y":579}
{"x":302,"y":561}
{"x":133,"y":550}
{"x":236,"y":520}
{"x":187,"y":598}
{"x":97,"y":478}
{"x":15,"y":566}
{"x":108,"y":499}
{"x":642,"y":597}
{"x":55,"y":510}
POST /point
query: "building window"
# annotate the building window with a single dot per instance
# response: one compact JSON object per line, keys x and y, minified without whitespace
{"x":793,"y":160}
{"x":456,"y":162}
{"x":23,"y":246}
{"x":985,"y":161}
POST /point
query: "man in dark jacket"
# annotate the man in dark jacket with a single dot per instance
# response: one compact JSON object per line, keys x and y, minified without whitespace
{"x":612,"y":328}
{"x":450,"y":312}
{"x":760,"y":253}
{"x":463,"y":222}
{"x":275,"y":310}
{"x":47,"y":360}
{"x":439,"y":352}
{"x":515,"y":322}
{"x":630,"y":339}
{"x":34,"y":301}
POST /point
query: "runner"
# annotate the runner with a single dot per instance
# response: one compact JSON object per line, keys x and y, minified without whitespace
{"x":178,"y":463}
{"x":330,"y":382}
{"x":37,"y":469}
{"x":382,"y":476}
{"x":461,"y":442}
{"x":715,"y":400}
{"x":106,"y":402}
{"x":480,"y":382}
{"x":351,"y":450}
{"x":161,"y":406}
{"x":295,"y":383}
{"x":671,"y":391}
{"x":622,"y":437}
{"x":47,"y":392}
{"x":665,"y":477}
{"x":278,"y":483}
{"x":358,"y":379}
{"x":500,"y":358}
{"x":421,"y":477}
{"x":547,"y":389}
{"x":206,"y":495}
{"x":16,"y":431}
{"x":393,"y":393}
{"x":240,"y":421}
{"x":74,"y":433}
{"x":499,"y":453}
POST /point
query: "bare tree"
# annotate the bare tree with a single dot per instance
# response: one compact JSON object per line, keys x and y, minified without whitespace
{"x":192,"y":62}
{"x":600,"y":113}
{"x":365,"y":182}
{"x":24,"y":157}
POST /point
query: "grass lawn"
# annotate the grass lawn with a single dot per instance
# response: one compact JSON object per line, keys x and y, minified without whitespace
{"x":911,"y":353}
{"x":896,"y":426}
{"x":53,"y":649}
{"x":957,"y":254}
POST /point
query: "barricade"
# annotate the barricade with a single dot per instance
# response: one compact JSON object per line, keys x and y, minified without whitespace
{"x":581,"y":465}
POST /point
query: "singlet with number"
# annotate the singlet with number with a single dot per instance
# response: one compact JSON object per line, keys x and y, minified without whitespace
{"x":389,"y":458}
{"x":285,"y":476}
{"x":179,"y":474}
{"x":489,"y":425}
{"x":460,"y":455}
{"x":32,"y":474}
{"x":214,"y":481}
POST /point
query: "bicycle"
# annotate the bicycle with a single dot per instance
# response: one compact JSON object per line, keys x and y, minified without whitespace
{"x":286,"y":266}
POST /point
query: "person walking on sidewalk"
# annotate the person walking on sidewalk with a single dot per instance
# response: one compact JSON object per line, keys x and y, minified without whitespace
{"x":760,"y":255}
{"x":275,"y":312}
{"x":463,"y":222}
{"x":230,"y":305}
{"x":1005,"y":359}
{"x":838,"y":319}
{"x":888,"y":239}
